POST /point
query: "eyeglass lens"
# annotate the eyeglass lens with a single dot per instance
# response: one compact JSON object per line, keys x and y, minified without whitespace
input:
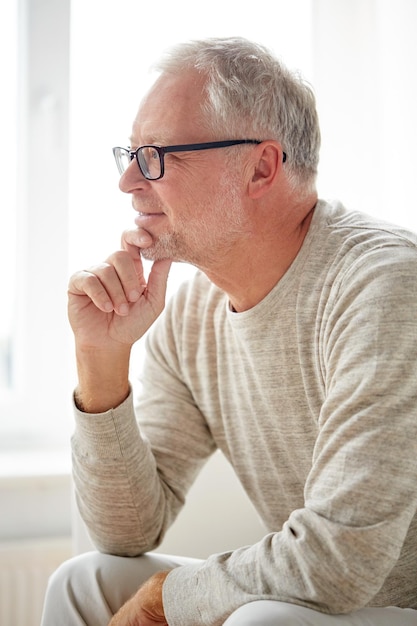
{"x":149,"y":161}
{"x":122,"y":158}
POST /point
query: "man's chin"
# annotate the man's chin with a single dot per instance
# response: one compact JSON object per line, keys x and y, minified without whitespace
{"x":148,"y":254}
{"x":153,"y":254}
{"x":164,"y":248}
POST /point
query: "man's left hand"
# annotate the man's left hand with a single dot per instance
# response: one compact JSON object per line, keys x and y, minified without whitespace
{"x":145,"y":608}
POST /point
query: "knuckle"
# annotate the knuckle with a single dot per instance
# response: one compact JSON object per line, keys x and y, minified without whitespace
{"x":116,"y":257}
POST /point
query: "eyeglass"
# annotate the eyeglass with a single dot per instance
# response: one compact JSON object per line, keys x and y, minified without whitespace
{"x":150,"y":159}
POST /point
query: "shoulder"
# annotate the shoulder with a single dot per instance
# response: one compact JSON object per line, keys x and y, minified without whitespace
{"x":351,"y":244}
{"x":358,"y":231}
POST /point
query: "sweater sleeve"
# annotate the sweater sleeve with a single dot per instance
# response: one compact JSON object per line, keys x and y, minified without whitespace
{"x":133,"y":465}
{"x":340,"y":551}
{"x":108,"y":455}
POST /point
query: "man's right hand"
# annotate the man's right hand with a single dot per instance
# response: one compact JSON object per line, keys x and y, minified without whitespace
{"x":110,"y":306}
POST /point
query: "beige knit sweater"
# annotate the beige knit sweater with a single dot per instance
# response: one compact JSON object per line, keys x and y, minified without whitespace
{"x":312,"y":396}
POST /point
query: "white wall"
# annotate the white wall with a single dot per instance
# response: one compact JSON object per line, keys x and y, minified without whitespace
{"x":365,"y":78}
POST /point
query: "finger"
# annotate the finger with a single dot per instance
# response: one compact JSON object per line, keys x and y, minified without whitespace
{"x":103,"y":285}
{"x":132,"y":280}
{"x":86,"y":283}
{"x":157,"y":282}
{"x":133,"y":241}
{"x":137,"y":237}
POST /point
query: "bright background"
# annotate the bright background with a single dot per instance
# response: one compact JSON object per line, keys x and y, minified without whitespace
{"x":75,"y":77}
{"x":73,"y":72}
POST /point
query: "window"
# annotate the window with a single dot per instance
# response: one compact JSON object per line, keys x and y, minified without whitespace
{"x":8,"y":195}
{"x":34,"y":132}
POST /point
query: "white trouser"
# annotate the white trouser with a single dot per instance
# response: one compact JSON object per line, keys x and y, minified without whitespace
{"x":89,"y":590}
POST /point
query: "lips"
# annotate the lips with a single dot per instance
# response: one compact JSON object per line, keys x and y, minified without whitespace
{"x":144,"y":220}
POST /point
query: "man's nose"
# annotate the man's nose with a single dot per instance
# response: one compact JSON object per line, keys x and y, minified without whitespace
{"x":132,"y":178}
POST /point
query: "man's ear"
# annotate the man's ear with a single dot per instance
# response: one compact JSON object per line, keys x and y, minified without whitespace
{"x":268,"y":164}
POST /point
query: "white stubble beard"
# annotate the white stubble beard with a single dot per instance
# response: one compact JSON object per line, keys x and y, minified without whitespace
{"x":201,"y":242}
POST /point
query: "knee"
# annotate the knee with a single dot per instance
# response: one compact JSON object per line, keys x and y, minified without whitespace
{"x":99,"y":582}
{"x":72,"y":574}
{"x":73,"y":595}
{"x":267,"y":613}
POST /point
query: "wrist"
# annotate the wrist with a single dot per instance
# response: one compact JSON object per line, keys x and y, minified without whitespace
{"x":88,"y":401}
{"x":151,"y":595}
{"x":103,"y":380}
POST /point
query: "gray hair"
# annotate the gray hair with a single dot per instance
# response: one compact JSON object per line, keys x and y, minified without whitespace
{"x":252,"y":95}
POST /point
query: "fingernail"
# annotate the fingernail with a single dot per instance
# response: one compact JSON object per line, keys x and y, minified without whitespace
{"x":145,"y":239}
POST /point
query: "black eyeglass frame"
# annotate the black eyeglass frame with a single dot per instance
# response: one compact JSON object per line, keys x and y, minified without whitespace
{"x":186,"y":147}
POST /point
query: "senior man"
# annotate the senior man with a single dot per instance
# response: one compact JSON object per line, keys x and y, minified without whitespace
{"x":293,"y":350}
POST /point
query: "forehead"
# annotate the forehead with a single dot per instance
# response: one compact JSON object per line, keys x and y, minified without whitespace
{"x":171,"y":110}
